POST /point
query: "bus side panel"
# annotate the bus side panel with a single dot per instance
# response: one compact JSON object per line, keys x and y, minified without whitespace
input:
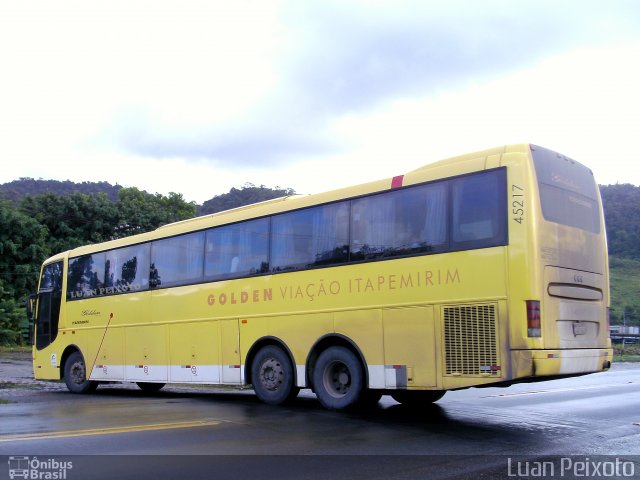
{"x":197,"y":351}
{"x":230,"y":351}
{"x":97,"y":327}
{"x":364,"y":328}
{"x":410,"y":348}
{"x":146,"y":353}
{"x":110,"y":363}
{"x":194,"y":352}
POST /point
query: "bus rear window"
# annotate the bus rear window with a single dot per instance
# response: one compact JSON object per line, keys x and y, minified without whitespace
{"x":568,"y":191}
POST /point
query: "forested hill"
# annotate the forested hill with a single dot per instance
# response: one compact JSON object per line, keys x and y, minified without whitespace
{"x":621,"y":203}
{"x":14,"y":191}
{"x":238,"y":197}
{"x":249,"y":193}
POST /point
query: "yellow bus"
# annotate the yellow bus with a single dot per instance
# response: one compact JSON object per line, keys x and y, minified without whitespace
{"x":486,"y":269}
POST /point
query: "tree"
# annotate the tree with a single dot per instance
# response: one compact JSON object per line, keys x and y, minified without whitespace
{"x":22,"y":250}
{"x":245,"y":195}
{"x":139,"y":211}
{"x":72,"y":220}
{"x":10,"y":316}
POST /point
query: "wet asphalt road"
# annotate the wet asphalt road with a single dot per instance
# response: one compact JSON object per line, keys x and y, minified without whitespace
{"x":473,"y":433}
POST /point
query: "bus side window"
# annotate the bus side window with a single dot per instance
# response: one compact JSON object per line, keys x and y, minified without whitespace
{"x":310,"y":237}
{"x":479,"y":210}
{"x":237,"y":250}
{"x":177,"y":260}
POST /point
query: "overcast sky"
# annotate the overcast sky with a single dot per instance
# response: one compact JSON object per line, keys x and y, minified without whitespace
{"x":198,"y":97}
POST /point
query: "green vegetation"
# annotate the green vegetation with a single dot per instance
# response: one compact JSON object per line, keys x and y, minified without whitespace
{"x":626,"y":353}
{"x":621,"y":204}
{"x":42,"y":225}
{"x":625,"y":290}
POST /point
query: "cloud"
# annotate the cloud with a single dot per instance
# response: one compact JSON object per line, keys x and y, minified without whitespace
{"x":330,"y":58}
{"x":255,"y":87}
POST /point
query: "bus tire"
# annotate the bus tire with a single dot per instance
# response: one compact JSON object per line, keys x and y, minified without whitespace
{"x":338,"y":379}
{"x":272,"y":376}
{"x":75,"y":375}
{"x":150,"y":386}
{"x":417,"y":398}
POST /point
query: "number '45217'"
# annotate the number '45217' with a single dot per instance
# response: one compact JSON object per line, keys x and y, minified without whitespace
{"x":517,"y":203}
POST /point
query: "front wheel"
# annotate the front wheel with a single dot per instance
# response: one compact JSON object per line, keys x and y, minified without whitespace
{"x":272,"y":376}
{"x":75,"y":375}
{"x":338,"y":379}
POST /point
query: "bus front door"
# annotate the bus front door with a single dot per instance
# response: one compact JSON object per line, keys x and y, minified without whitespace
{"x":48,"y":304}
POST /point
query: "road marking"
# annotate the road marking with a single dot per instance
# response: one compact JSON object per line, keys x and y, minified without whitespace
{"x":21,"y":437}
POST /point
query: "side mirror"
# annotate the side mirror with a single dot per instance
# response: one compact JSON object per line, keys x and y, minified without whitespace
{"x":31,"y":303}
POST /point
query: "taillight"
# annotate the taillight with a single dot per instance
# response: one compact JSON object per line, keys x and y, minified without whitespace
{"x":533,"y":319}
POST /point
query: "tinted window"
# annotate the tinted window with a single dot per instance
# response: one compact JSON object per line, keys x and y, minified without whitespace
{"x":177,"y":260}
{"x":86,"y":276}
{"x":479,"y":210}
{"x":52,"y":277}
{"x":127,"y":269}
{"x":311,"y":237}
{"x":568,"y":192}
{"x":397,"y":223}
{"x":237,"y":250}
{"x":49,"y":301}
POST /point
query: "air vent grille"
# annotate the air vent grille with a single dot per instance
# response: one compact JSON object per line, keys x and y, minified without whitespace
{"x":471,"y":340}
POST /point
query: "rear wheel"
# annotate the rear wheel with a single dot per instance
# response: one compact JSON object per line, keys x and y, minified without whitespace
{"x":416,"y":398}
{"x":150,"y":387}
{"x":338,"y":379}
{"x":272,"y":376}
{"x":75,"y":375}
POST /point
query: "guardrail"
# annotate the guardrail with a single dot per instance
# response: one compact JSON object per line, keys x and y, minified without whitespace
{"x":624,"y":337}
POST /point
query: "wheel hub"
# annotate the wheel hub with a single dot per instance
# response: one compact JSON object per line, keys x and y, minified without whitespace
{"x":271,"y":374}
{"x":78,"y":373}
{"x":338,"y":379}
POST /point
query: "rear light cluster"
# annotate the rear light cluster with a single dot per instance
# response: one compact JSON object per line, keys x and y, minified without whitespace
{"x":533,"y":319}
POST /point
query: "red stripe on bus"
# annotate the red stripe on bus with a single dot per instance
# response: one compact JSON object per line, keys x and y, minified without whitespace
{"x":396,"y":182}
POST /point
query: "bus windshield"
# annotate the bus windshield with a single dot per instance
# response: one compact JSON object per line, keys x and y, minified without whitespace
{"x":568,"y":192}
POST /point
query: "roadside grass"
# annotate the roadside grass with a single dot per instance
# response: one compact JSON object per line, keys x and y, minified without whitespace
{"x":626,"y":353}
{"x":15,"y":349}
{"x":10,"y":385}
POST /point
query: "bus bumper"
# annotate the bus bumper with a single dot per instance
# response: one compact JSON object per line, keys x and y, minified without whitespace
{"x":543,"y":363}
